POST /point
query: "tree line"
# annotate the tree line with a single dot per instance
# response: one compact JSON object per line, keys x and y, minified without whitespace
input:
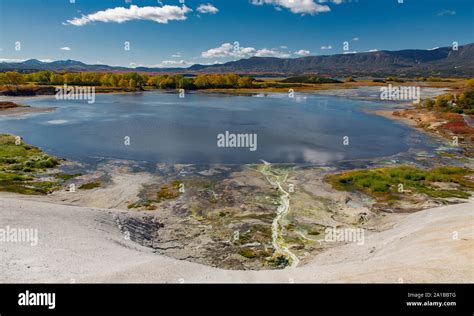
{"x":134,"y":81}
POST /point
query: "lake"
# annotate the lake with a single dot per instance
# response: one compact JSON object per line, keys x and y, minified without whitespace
{"x":163,"y":128}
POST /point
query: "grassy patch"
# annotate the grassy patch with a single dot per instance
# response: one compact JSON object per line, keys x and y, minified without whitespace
{"x":168,"y":191}
{"x":90,"y":186}
{"x":16,"y":156}
{"x":28,"y":187}
{"x":385,"y":183}
{"x":66,"y":176}
{"x":147,"y":204}
{"x":21,"y":166}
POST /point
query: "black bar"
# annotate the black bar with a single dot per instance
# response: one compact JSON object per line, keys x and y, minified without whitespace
{"x":222,"y":299}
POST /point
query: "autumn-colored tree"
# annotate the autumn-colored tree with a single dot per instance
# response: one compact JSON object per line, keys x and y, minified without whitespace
{"x":43,"y":77}
{"x":429,"y":104}
{"x":69,"y":78}
{"x":12,"y":78}
{"x":167,"y":83}
{"x":202,"y":81}
{"x":132,"y":84}
{"x":138,"y":80}
{"x":442,"y":100}
{"x":123,"y":83}
{"x":470,"y":83}
{"x":218,"y":81}
{"x":232,"y":80}
{"x":186,"y":83}
{"x":57,"y":79}
{"x":105,"y":80}
{"x":114,"y":80}
{"x":245,"y":82}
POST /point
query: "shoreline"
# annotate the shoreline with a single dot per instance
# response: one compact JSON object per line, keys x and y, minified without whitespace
{"x":429,"y":123}
{"x":303,"y":88}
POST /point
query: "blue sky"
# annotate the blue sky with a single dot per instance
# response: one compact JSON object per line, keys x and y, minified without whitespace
{"x":168,"y":33}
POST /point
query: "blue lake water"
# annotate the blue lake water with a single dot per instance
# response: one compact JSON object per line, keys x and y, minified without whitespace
{"x":165,"y":128}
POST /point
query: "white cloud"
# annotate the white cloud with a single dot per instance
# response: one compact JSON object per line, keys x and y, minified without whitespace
{"x":15,"y":60}
{"x":355,"y":39}
{"x":165,"y":64}
{"x":175,"y":63}
{"x":11,"y":60}
{"x":216,"y":62}
{"x":302,"y":52}
{"x":227,"y":50}
{"x":333,"y":1}
{"x":353,"y":52}
{"x":65,"y":48}
{"x":207,"y":8}
{"x":162,"y":14}
{"x":434,"y":48}
{"x":326,"y":47}
{"x":373,"y":50}
{"x":295,"y":6}
{"x":177,"y":55}
{"x":264,"y":52}
{"x":446,"y":12}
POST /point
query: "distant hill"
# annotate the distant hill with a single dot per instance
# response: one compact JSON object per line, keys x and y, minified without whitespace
{"x":410,"y":62}
{"x":59,"y":65}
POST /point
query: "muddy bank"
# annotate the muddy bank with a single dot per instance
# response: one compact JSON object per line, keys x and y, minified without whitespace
{"x":8,"y":108}
{"x":22,"y":110}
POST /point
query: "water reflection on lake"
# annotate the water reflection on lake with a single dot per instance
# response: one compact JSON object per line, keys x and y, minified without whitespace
{"x":165,"y":128}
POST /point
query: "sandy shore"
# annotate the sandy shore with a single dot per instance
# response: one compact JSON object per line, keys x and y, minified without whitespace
{"x":389,"y":115}
{"x":82,"y":244}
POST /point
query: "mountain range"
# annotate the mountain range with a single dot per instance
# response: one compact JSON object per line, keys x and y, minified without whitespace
{"x":442,"y":61}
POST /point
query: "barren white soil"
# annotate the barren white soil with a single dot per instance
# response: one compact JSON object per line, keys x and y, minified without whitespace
{"x":83,"y":244}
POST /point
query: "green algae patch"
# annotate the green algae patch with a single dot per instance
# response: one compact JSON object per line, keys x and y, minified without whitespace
{"x":247,"y":253}
{"x":392,"y":183}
